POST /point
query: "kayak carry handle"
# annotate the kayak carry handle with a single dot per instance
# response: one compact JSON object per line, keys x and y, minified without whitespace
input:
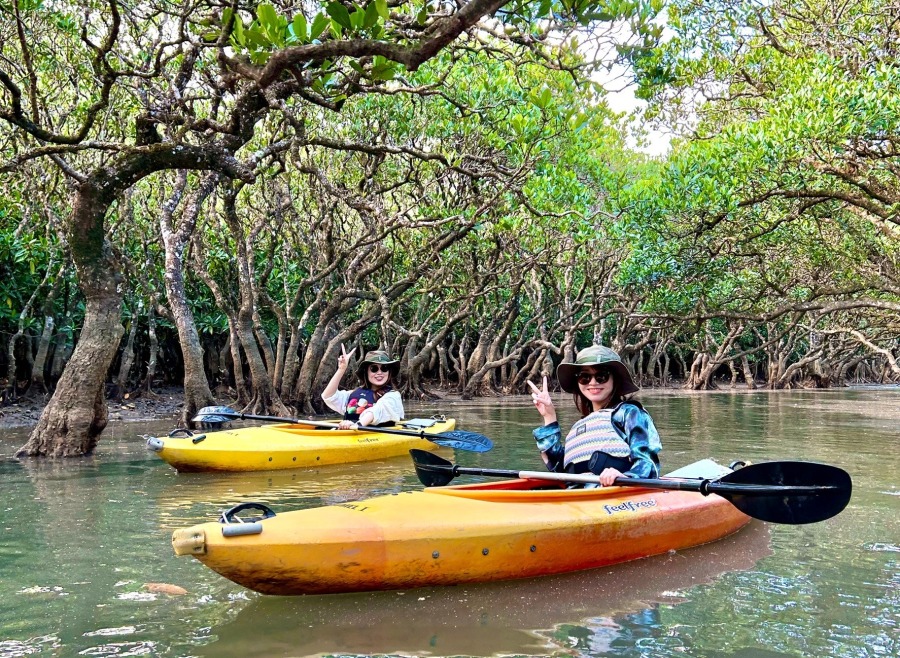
{"x":235,"y":526}
{"x":230,"y":516}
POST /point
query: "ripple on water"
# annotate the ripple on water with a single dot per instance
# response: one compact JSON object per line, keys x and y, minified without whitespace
{"x":40,"y":589}
{"x":883,"y":548}
{"x":31,"y":647}
{"x":121,"y":649}
{"x":137,"y":596}
{"x":121,"y":630}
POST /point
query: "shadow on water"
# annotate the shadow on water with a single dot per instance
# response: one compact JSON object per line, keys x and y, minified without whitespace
{"x":480,"y":620}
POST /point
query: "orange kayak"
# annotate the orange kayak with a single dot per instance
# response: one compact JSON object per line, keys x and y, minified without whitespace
{"x":456,"y":534}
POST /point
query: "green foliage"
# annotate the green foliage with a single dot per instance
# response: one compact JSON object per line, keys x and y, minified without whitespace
{"x":781,"y":198}
{"x":268,"y":29}
{"x":25,"y":256}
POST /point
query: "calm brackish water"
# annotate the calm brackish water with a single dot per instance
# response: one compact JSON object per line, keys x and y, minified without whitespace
{"x":80,"y":539}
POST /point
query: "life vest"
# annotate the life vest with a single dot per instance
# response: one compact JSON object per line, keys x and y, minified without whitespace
{"x":362,"y":399}
{"x":595,"y":433}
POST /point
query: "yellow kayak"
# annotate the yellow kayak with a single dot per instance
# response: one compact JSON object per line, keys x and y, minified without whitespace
{"x":286,"y":445}
{"x":455,"y":534}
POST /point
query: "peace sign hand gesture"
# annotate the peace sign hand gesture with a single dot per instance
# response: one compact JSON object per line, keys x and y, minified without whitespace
{"x":343,"y":360}
{"x":543,"y":403}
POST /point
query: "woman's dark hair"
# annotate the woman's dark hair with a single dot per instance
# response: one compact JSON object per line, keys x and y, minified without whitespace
{"x":586,"y":407}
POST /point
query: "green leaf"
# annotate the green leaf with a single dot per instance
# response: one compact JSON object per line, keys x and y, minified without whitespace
{"x":358,"y":19}
{"x":340,"y":14}
{"x":577,"y":120}
{"x":382,"y":8}
{"x":238,"y":32}
{"x":300,"y":28}
{"x":320,"y":22}
{"x":256,"y":38}
{"x":546,"y":97}
{"x":371,"y":16}
{"x":519,"y":123}
{"x":541,"y":98}
{"x":422,"y":16}
{"x":271,"y":24}
{"x":267,"y":16}
{"x":384,"y":72}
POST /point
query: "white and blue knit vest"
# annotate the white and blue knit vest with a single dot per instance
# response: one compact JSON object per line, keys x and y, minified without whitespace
{"x":594,"y":432}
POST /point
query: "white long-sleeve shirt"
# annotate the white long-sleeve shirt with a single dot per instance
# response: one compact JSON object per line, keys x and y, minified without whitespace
{"x":388,"y":409}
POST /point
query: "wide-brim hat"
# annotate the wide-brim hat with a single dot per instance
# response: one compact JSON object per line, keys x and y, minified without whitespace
{"x":596,"y":355}
{"x":380,"y":357}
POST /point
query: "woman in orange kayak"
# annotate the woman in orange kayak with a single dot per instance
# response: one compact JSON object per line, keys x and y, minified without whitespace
{"x":615,"y":436}
{"x":375,"y":402}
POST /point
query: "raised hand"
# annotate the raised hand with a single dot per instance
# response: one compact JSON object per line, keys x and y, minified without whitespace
{"x":542,"y":401}
{"x":343,"y":359}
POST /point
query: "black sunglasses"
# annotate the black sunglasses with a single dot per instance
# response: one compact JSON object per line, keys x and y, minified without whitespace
{"x":584,"y":378}
{"x":376,"y":368}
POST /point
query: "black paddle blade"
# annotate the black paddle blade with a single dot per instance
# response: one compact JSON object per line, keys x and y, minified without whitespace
{"x":826,"y":491}
{"x":432,"y":471}
{"x":462,"y":440}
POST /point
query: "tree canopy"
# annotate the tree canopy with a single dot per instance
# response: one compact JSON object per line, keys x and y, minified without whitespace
{"x":235,"y":191}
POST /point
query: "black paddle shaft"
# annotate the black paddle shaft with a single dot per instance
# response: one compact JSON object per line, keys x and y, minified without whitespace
{"x":705,"y":487}
{"x":460,"y":439}
{"x":777,"y":492}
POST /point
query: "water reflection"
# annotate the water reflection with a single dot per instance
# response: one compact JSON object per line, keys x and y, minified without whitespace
{"x":486,"y":619}
{"x":186,"y":498}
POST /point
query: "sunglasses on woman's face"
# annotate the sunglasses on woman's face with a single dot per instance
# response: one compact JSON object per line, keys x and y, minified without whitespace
{"x":584,"y":378}
{"x":376,"y":368}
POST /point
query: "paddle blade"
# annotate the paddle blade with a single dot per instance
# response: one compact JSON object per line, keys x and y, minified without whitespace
{"x":830,"y":489}
{"x":432,"y":471}
{"x":215,"y":415}
{"x":461,"y":440}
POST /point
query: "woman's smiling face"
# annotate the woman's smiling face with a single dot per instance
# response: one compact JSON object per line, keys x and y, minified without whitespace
{"x":600,"y":392}
{"x":378,"y":375}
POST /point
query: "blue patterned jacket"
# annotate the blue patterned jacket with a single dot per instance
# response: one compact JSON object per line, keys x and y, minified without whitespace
{"x":632,"y":423}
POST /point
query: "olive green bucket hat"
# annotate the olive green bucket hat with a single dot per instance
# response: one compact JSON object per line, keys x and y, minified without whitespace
{"x":380,"y":357}
{"x":596,"y":355}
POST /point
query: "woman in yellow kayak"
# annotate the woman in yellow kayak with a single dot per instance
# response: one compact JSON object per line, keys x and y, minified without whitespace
{"x":375,"y":402}
{"x":615,"y":437}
